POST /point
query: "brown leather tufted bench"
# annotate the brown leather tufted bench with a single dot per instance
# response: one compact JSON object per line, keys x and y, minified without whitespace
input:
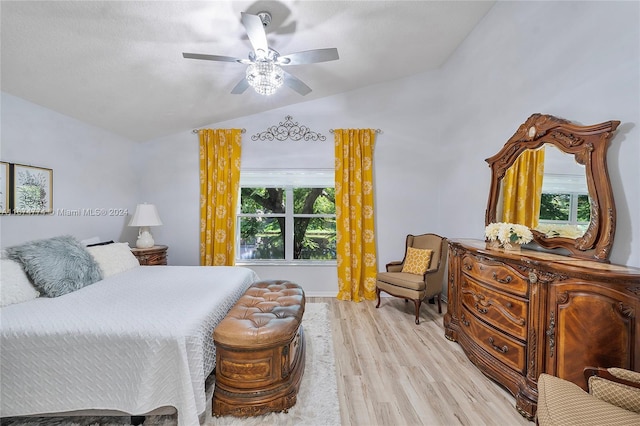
{"x":260,"y":351}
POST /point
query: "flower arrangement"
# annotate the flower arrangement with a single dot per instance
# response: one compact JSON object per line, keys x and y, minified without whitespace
{"x":508,"y":234}
{"x":551,"y":230}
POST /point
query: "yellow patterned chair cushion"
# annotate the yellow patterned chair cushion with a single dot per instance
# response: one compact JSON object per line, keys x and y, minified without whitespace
{"x":562,"y":403}
{"x":417,"y":261}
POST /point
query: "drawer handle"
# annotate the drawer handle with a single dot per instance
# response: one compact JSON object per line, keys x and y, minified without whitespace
{"x":482,"y":306}
{"x":482,"y":310}
{"x":504,"y":349}
{"x":464,"y":320}
{"x":500,"y":280}
{"x":468,"y":266}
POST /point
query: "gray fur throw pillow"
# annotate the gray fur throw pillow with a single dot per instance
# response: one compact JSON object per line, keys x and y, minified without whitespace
{"x":56,"y":265}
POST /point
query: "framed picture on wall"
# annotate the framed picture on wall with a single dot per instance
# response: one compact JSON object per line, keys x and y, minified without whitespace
{"x":4,"y":188}
{"x":31,"y":189}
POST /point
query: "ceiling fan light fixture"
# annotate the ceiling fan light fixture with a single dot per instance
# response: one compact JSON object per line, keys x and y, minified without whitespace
{"x":265,"y":77}
{"x":264,"y":72}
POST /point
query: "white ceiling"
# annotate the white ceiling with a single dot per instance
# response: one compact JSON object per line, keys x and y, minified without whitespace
{"x":118,"y":64}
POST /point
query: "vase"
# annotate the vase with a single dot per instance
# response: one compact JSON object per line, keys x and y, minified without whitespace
{"x":494,"y":244}
{"x":512,"y":246}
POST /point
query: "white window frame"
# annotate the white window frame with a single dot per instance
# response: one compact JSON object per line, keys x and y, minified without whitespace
{"x":287,"y":179}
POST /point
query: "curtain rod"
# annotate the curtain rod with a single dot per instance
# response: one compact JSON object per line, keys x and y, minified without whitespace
{"x":377,"y":130}
{"x":197,"y":130}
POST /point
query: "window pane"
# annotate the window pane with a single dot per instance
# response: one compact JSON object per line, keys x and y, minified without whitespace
{"x":314,"y":201}
{"x":262,"y":200}
{"x":315,"y":238}
{"x":555,"y":206}
{"x":584,"y":208}
{"x":261,"y":238}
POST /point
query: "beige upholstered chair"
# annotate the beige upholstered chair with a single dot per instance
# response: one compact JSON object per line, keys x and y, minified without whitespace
{"x":613,"y":399}
{"x":409,"y":278}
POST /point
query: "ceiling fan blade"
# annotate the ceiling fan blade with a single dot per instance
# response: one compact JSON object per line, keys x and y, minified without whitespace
{"x":309,"y":56}
{"x":296,"y":84}
{"x":210,"y":57}
{"x":255,"y":31}
{"x":240,"y":87}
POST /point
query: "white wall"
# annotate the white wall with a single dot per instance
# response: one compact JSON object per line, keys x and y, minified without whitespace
{"x":577,"y":60}
{"x":92,"y":169}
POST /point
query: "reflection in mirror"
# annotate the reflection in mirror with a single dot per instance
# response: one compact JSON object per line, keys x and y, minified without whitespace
{"x":552,"y":177}
{"x":565,"y":209}
{"x":559,"y":203}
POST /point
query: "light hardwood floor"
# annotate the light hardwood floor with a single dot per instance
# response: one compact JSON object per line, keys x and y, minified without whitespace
{"x":393,"y":372}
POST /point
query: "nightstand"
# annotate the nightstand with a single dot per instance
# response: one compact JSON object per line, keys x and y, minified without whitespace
{"x":156,"y":255}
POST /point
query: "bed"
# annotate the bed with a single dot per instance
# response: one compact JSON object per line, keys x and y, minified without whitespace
{"x":134,"y":341}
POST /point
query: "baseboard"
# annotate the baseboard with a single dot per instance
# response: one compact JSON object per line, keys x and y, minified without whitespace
{"x":329,"y":294}
{"x":332,"y":294}
{"x":320,"y":293}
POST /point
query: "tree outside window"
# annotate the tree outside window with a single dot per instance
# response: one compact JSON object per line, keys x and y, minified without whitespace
{"x":565,"y":208}
{"x":287,"y":223}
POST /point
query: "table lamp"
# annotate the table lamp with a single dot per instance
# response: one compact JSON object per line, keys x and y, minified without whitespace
{"x":146,"y":215}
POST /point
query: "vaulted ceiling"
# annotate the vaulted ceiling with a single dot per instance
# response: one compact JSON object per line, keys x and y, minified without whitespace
{"x":118,"y":65}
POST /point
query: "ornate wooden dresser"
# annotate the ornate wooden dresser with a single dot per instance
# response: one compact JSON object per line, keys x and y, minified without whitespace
{"x":519,"y":314}
{"x":559,"y":308}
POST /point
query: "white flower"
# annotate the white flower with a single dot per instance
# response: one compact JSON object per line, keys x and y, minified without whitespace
{"x":520,"y":234}
{"x":491,"y":231}
{"x":508,"y":233}
{"x":561,"y":230}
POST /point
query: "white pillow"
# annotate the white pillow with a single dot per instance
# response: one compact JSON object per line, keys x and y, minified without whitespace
{"x":15,"y":286}
{"x":113,"y":258}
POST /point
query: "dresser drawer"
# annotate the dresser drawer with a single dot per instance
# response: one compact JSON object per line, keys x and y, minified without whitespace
{"x":505,"y":349}
{"x":156,"y":255}
{"x":496,"y":274}
{"x":504,"y":312}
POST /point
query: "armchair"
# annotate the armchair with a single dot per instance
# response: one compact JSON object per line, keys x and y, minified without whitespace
{"x":613,"y":399}
{"x":419,"y":275}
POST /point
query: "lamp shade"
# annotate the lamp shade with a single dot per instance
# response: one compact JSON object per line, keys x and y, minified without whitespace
{"x":145,"y":215}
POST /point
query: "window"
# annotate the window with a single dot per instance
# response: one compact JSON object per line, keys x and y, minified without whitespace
{"x":565,"y":208}
{"x":287,"y":216}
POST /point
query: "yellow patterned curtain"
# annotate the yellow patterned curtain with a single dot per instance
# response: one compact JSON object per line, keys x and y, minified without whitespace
{"x":522,"y":189}
{"x":219,"y":184}
{"x":356,"y":248}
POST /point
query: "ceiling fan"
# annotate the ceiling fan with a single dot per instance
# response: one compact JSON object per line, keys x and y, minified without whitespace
{"x":265,"y":73}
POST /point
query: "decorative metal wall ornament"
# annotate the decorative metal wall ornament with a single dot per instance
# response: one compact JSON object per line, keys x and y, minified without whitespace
{"x":288,"y":129}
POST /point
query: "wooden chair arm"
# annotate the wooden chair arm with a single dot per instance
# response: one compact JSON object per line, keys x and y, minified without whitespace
{"x":604,"y":373}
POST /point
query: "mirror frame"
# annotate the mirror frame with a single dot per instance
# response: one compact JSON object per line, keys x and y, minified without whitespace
{"x":588,"y":145}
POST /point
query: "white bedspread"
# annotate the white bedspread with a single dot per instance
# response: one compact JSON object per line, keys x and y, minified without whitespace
{"x":133,"y":342}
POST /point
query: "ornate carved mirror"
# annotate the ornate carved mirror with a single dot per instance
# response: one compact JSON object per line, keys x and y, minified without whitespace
{"x":552,"y":176}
